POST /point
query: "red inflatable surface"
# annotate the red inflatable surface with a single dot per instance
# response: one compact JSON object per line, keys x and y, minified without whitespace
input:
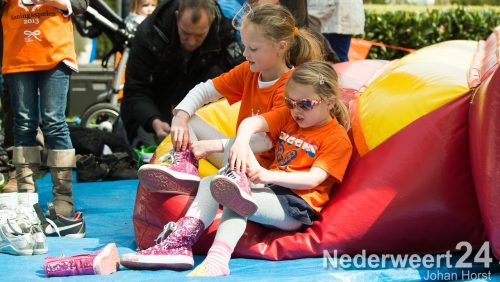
{"x":485,"y":139}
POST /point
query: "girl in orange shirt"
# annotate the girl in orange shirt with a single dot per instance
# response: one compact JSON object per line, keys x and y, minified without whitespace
{"x":273,"y":45}
{"x":312,"y":153}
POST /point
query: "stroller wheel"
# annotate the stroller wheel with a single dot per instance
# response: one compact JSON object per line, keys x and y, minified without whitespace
{"x":101,"y":116}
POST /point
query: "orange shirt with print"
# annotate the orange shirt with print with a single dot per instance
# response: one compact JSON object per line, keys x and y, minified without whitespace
{"x":241,"y":84}
{"x":35,"y":38}
{"x":298,"y":149}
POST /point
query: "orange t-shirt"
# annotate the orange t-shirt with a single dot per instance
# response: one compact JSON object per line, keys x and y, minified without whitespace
{"x":241,"y":84}
{"x":35,"y":38}
{"x":298,"y":149}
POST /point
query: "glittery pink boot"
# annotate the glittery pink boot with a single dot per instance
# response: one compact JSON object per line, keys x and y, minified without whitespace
{"x":104,"y":262}
{"x":173,"y":252}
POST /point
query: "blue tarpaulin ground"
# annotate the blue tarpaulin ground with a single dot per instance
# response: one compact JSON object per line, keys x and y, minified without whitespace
{"x":108,"y":206}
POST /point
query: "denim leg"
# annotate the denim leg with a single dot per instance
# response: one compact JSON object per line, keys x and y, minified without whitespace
{"x":340,"y":44}
{"x":54,"y":84}
{"x":23,"y":89}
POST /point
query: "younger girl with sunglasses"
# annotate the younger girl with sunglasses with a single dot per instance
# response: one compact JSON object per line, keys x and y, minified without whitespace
{"x":312,"y":151}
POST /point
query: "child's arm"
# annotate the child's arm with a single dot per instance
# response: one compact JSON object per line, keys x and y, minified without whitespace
{"x":239,"y":153}
{"x":59,"y":4}
{"x":203,"y":148}
{"x":293,"y":180}
{"x":203,"y":93}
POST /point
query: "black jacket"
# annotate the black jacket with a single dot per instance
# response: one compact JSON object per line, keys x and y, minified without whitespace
{"x":158,"y":77}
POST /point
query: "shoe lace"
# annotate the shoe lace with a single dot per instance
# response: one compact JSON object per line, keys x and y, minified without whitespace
{"x":231,"y":173}
{"x":14,"y":228}
{"x":53,"y":224}
{"x":172,"y":157}
{"x":168,"y":158}
{"x":167,"y":229}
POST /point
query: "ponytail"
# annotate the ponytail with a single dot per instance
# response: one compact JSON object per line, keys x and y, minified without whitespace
{"x":278,"y":24}
{"x":341,"y":113}
{"x":306,"y":47}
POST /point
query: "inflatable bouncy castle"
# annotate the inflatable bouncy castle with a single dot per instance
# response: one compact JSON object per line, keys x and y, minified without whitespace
{"x":425,"y":173}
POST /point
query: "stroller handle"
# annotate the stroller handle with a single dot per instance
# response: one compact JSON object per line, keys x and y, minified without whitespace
{"x":103,"y":19}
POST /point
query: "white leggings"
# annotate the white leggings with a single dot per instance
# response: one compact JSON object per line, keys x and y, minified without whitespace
{"x":200,"y":130}
{"x":232,"y":225}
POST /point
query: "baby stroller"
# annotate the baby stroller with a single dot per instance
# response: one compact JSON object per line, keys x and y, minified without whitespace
{"x":100,"y":18}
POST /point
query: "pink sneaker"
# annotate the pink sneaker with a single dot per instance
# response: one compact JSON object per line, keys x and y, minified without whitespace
{"x":173,"y":252}
{"x":104,"y":262}
{"x":177,"y":173}
{"x":232,"y":189}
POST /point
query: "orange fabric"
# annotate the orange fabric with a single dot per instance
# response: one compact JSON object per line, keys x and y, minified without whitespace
{"x":360,"y":48}
{"x":298,"y":149}
{"x":35,"y":38}
{"x":357,"y":129}
{"x":118,"y":57}
{"x":241,"y":84}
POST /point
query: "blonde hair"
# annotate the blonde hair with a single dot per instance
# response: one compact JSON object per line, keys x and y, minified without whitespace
{"x":323,"y":78}
{"x":278,"y":24}
{"x":136,"y":4}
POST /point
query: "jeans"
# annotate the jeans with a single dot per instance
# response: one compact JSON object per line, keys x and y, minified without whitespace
{"x":340,"y":44}
{"x":40,"y":95}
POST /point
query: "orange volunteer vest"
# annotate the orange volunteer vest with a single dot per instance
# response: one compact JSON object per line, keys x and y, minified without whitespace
{"x":36,"y":38}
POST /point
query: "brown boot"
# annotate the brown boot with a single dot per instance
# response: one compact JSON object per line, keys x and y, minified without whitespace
{"x":11,"y":186}
{"x":61,"y":163}
{"x":26,"y":161}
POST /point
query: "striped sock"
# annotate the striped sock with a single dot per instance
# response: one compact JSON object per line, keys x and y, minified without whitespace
{"x":217,"y":261}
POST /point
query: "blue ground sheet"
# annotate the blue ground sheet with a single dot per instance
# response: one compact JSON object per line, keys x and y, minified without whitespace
{"x":108,"y":207}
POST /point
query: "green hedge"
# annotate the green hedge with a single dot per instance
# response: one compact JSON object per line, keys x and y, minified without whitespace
{"x":416,"y":27}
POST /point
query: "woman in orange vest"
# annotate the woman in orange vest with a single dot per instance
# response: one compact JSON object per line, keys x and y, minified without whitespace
{"x":38,"y":58}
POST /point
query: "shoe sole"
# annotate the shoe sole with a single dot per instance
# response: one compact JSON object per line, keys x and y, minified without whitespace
{"x":11,"y":250}
{"x":163,"y":180}
{"x":171,"y":262}
{"x":77,"y":236}
{"x":107,"y":261}
{"x":228,"y":194}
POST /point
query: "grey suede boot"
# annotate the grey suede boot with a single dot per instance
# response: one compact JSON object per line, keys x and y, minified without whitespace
{"x":61,"y":163}
{"x":26,"y":160}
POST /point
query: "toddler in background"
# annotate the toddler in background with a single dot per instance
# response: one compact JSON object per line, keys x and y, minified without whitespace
{"x":138,"y":12}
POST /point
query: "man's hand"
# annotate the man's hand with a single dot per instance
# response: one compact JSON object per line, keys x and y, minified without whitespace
{"x":180,"y":131}
{"x":162,"y":129}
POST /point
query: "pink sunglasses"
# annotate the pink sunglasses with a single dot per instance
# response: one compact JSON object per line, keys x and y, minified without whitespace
{"x":303,"y":104}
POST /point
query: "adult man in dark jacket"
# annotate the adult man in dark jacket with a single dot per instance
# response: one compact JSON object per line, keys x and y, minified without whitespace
{"x":183,"y":43}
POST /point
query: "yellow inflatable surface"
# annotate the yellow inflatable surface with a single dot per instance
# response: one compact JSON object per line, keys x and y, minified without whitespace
{"x":410,"y":88}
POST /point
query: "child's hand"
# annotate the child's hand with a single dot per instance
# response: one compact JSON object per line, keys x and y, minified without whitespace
{"x":179,"y":131}
{"x":258,"y":174}
{"x":201,"y":149}
{"x":238,"y":156}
